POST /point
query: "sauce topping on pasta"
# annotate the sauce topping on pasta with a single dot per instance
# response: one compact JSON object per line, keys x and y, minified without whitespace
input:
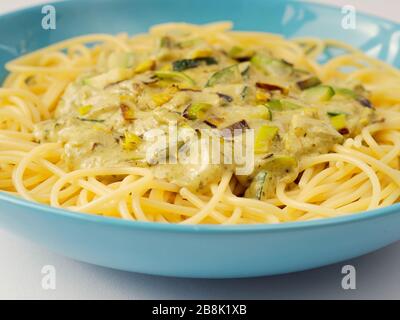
{"x":197,"y":83}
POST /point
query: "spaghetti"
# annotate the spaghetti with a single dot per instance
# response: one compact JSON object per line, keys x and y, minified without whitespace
{"x":360,"y":173}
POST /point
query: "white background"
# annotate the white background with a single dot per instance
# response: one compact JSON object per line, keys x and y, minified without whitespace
{"x":378,"y":274}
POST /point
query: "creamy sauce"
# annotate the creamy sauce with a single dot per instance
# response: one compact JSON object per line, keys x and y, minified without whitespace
{"x":103,"y":116}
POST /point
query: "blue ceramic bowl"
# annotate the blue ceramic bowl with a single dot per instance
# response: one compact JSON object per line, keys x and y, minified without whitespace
{"x":198,"y":251}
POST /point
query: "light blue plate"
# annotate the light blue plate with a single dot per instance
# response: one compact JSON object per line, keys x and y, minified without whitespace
{"x":198,"y":251}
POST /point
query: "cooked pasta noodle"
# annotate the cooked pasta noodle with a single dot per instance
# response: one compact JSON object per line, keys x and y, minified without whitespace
{"x":362,"y":173}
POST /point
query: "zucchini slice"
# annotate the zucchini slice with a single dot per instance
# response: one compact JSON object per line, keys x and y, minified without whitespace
{"x":275,"y":105}
{"x":240,"y":54}
{"x":264,"y":136}
{"x":264,"y":113}
{"x":338,"y":121}
{"x":280,"y":163}
{"x":260,"y":179}
{"x":257,"y":186}
{"x":197,"y":111}
{"x":319,"y":94}
{"x":184,"y":64}
{"x":227,"y":75}
{"x":272,"y":66}
{"x":175,"y":76}
{"x":282,"y":105}
{"x":345,"y":92}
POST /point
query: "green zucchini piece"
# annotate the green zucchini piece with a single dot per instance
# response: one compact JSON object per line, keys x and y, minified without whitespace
{"x":319,"y":94}
{"x":272,"y":66}
{"x":275,"y":105}
{"x":280,"y":163}
{"x":339,"y":121}
{"x":240,"y":54}
{"x":207,"y":60}
{"x":175,"y":76}
{"x":333,"y":114}
{"x":260,"y":62}
{"x":260,"y":183}
{"x":282,"y":105}
{"x":184,"y":64}
{"x":197,"y":111}
{"x":264,"y":112}
{"x":264,"y":136}
{"x":280,"y":68}
{"x":227,"y":75}
{"x":181,"y":65}
{"x":257,"y":186}
{"x":288,"y":105}
{"x":345,"y":92}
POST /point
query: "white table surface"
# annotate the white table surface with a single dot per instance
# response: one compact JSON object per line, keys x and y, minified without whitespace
{"x":378,"y":274}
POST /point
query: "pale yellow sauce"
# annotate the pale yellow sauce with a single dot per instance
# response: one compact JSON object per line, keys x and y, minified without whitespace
{"x":99,"y":109}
